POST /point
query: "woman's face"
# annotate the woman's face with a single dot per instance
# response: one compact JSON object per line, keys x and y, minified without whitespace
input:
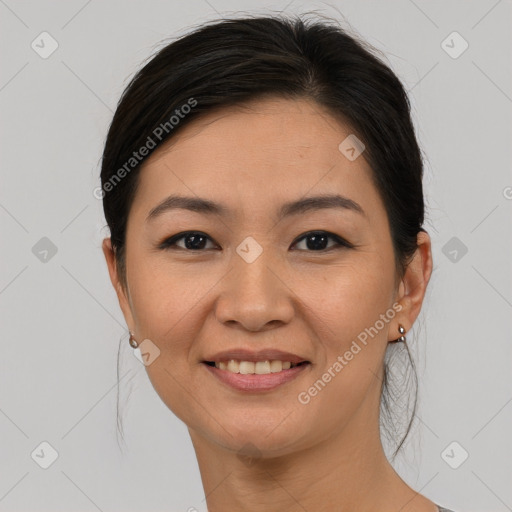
{"x":256,"y":282}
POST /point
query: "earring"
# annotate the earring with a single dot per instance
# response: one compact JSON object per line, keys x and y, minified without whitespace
{"x":401,"y":330}
{"x":133,"y":341}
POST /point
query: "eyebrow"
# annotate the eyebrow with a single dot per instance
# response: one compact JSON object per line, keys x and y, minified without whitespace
{"x":301,"y":206}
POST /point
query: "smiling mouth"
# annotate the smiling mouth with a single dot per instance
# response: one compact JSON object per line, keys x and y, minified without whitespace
{"x":254,"y":368}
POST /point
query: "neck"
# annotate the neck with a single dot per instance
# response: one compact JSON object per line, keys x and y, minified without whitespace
{"x":346,"y":472}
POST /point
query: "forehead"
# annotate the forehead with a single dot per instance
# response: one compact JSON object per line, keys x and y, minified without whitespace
{"x":252,"y":154}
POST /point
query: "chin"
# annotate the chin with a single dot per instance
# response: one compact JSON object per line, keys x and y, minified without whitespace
{"x":264,"y":441}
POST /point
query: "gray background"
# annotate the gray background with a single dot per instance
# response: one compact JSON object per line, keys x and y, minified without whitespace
{"x":61,"y":323}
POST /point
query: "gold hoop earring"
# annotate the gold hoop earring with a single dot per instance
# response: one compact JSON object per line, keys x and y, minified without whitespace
{"x":133,"y":342}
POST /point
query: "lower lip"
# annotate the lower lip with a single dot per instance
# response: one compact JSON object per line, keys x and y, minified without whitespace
{"x":255,"y":382}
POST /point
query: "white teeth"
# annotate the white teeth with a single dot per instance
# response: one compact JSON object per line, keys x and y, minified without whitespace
{"x":246,"y":367}
{"x":276,"y":366}
{"x":250,"y":367}
{"x":233,"y":366}
{"x":262,"y":367}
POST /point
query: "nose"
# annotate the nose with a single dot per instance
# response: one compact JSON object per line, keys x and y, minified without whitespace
{"x":255,"y":296}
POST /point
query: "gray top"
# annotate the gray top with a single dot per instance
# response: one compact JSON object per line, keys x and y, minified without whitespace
{"x":441,"y":509}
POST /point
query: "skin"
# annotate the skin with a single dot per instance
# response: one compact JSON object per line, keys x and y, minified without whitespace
{"x":324,"y":455}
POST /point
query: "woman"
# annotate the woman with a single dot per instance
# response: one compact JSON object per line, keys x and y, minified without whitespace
{"x":262,"y":184}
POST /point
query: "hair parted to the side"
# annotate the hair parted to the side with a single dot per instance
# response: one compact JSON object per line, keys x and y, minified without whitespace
{"x":235,"y":61}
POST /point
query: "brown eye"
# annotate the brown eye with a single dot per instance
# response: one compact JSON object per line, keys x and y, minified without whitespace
{"x":317,"y":241}
{"x":193,"y":241}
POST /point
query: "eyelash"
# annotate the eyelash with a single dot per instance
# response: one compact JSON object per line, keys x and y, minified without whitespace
{"x":341,"y":243}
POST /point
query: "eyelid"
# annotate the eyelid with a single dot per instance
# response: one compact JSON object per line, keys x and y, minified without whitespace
{"x":340,"y":241}
{"x":169,"y":242}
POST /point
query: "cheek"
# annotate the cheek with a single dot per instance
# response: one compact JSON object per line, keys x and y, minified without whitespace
{"x":347,"y":319}
{"x":351,"y":296}
{"x":162,"y":300}
{"x":166,"y":308}
{"x":348,"y":304}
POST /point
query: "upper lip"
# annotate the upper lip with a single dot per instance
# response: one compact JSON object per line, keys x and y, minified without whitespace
{"x":254,"y":356}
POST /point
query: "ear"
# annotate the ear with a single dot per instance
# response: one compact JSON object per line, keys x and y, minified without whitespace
{"x":414,"y":284}
{"x":122,"y":294}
